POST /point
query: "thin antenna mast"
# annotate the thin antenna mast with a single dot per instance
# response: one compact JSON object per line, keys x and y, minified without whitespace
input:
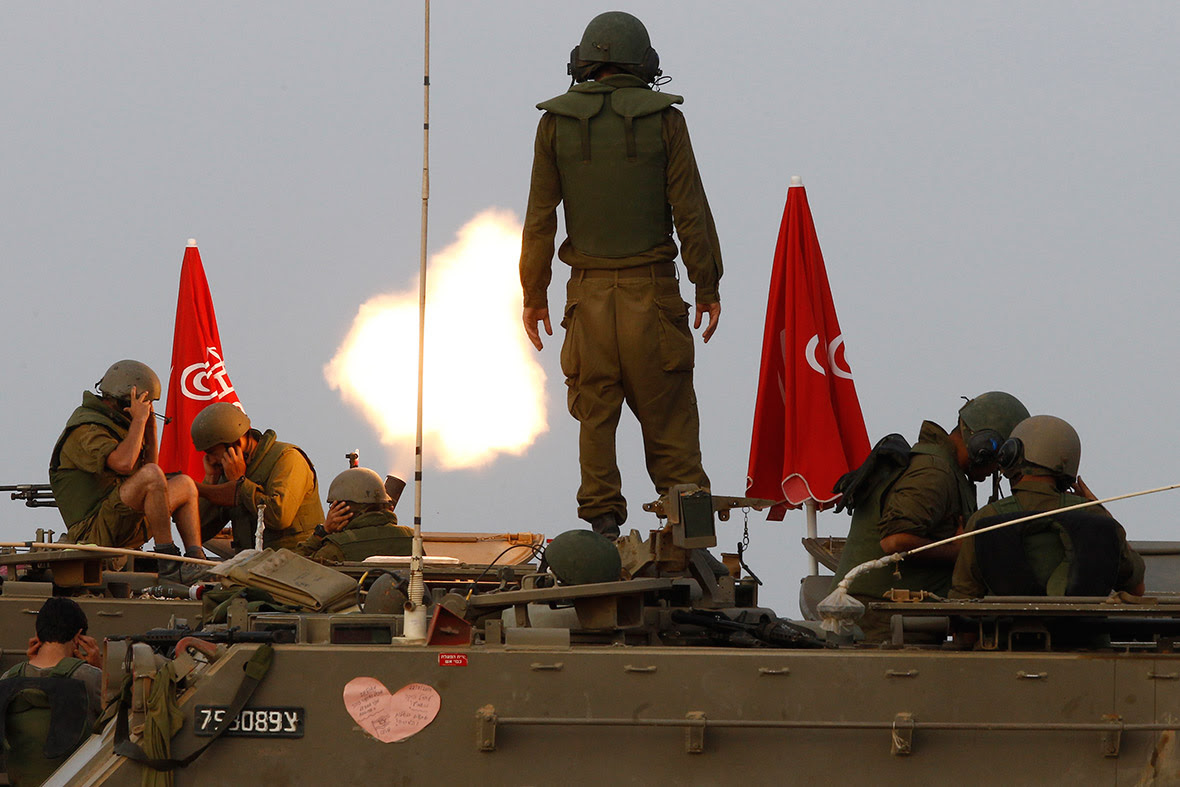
{"x":414,"y":626}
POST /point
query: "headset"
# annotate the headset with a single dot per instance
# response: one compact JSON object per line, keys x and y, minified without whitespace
{"x":648,"y":70}
{"x":1011,"y":454}
{"x":984,"y":446}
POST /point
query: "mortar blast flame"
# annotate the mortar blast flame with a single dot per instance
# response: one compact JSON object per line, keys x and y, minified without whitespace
{"x":484,"y":391}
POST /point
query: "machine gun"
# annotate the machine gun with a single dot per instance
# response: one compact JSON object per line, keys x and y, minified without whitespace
{"x":161,"y":639}
{"x":775,"y":632}
{"x":34,"y":495}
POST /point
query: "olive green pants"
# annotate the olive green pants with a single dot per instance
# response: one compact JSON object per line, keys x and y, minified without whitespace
{"x":627,"y":339}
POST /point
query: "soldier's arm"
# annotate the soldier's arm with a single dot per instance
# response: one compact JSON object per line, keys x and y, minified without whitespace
{"x":917,"y":502}
{"x":699,"y":246}
{"x":283,"y":493}
{"x":540,"y":218}
{"x":967,"y":580}
{"x":125,"y":458}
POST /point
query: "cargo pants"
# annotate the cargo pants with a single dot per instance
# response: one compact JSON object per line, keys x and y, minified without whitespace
{"x":627,"y":339}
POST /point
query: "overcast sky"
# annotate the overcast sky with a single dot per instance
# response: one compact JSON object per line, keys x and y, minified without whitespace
{"x":993,"y":185}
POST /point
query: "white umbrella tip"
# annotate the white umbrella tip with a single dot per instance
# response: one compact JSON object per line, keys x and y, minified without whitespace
{"x":796,"y":180}
{"x":192,"y":241}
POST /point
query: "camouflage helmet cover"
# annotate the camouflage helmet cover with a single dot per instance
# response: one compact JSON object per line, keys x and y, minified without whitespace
{"x":124,"y":375}
{"x":358,"y":485}
{"x":993,"y":410}
{"x":220,"y":422}
{"x":1050,"y":442}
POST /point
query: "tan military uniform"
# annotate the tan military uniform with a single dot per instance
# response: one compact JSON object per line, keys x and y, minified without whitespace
{"x":1033,"y":496}
{"x":281,"y":477}
{"x":87,"y":491}
{"x":627,"y":333}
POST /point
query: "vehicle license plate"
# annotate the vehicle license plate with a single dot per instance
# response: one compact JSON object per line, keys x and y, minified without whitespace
{"x":251,"y":722}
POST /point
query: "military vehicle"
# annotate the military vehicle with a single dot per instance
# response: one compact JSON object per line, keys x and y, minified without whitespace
{"x":670,"y":673}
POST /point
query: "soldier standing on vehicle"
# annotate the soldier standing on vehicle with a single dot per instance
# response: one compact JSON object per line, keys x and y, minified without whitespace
{"x":928,"y":498}
{"x":616,"y":154}
{"x":246,"y":468}
{"x":360,"y":522}
{"x":33,"y":702}
{"x":108,"y":487}
{"x":1079,"y":553}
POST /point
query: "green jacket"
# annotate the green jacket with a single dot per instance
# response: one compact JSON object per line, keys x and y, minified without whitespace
{"x":930,"y":498}
{"x":281,"y":477}
{"x":365,"y":535}
{"x":79,"y":493}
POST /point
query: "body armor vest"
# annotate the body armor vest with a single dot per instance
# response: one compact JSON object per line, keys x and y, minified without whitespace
{"x":374,"y":533}
{"x":77,"y":492}
{"x":613,"y":162}
{"x":310,"y":513}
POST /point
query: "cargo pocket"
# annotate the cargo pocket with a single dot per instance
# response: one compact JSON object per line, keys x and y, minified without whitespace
{"x":571,"y":356}
{"x":676,"y":347}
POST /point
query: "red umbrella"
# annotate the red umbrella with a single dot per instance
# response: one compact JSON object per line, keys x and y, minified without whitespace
{"x":808,"y":427}
{"x":198,"y":376}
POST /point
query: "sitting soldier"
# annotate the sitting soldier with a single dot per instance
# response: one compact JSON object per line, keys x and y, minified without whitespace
{"x":245,"y":469}
{"x":49,"y":703}
{"x":360,"y":522}
{"x":1078,"y":553}
{"x":103,"y":471}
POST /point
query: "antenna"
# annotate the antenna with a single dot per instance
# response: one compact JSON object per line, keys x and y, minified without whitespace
{"x":414,"y":625}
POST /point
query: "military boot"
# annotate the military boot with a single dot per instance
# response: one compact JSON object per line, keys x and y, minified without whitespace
{"x":191,"y":572}
{"x":168,"y":570}
{"x":605,"y":525}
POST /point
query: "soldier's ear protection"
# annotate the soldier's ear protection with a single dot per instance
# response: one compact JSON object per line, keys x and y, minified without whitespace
{"x":983,"y":447}
{"x":1011,"y":454}
{"x":581,"y":70}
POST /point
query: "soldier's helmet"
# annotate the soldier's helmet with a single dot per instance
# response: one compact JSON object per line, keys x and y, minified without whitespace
{"x":578,"y":557}
{"x":1046,"y":442}
{"x":985,"y":422}
{"x":620,"y":39}
{"x":220,"y":422}
{"x":358,"y":485}
{"x":125,"y":375}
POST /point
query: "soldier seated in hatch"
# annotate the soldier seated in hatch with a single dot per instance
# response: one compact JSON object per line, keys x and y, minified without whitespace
{"x":360,"y":522}
{"x":1078,"y":553}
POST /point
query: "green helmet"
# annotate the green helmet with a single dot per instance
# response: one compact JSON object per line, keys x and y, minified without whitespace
{"x":358,"y":485}
{"x":617,"y":38}
{"x":578,"y":557}
{"x":220,"y":422}
{"x":1047,"y":442}
{"x":125,"y":375}
{"x":994,"y":410}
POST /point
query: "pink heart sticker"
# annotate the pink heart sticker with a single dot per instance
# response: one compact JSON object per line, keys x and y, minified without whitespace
{"x":391,"y":718}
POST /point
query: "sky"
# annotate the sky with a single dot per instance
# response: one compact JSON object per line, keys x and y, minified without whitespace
{"x":993,"y":184}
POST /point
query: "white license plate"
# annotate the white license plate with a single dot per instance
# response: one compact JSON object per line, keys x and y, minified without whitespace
{"x":251,"y":722}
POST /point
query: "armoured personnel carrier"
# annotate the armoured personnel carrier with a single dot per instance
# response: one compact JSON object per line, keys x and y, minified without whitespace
{"x":670,"y":674}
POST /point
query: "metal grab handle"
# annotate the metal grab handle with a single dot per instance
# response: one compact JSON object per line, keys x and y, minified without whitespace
{"x":632,"y":668}
{"x":102,"y":613}
{"x":557,"y":666}
{"x":896,"y":673}
{"x":1032,"y":675}
{"x":774,"y":670}
{"x":1163,"y":676}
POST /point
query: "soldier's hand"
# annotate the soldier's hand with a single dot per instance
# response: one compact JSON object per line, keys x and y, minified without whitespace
{"x":233,"y":463}
{"x":141,"y":405}
{"x":338,"y":516}
{"x":532,"y":316}
{"x":87,"y":649}
{"x":34,"y":646}
{"x":714,"y":312}
{"x":212,"y":468}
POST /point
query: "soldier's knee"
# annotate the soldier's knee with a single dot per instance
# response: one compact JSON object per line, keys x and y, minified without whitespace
{"x":153,"y":477}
